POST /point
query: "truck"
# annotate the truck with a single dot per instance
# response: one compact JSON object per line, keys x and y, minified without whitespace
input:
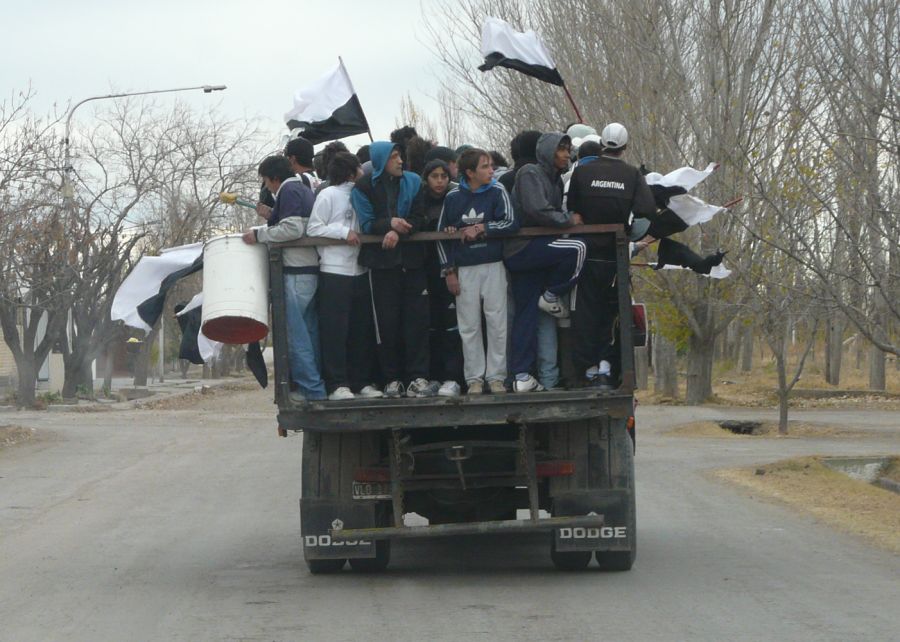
{"x":469,"y":464}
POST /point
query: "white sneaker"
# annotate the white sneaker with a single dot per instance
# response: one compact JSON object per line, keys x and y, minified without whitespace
{"x":297,"y":397}
{"x":341,"y":394}
{"x":529,"y":385}
{"x":393,"y":390}
{"x":420,"y":388}
{"x":449,"y":389}
{"x":370,"y":392}
{"x":553,"y":308}
{"x":475,"y":387}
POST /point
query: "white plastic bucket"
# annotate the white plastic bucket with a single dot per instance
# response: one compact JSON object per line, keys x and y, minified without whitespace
{"x":235,"y":290}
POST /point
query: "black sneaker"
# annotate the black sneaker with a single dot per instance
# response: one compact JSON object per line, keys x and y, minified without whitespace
{"x":601,"y":382}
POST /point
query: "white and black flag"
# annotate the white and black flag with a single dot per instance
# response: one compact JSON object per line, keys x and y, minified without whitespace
{"x":328,"y":109}
{"x":139,"y":300}
{"x":503,"y":46}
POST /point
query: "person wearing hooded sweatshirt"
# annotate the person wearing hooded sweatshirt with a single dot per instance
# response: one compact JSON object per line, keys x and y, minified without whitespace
{"x":446,"y":349}
{"x":287,"y":221}
{"x":523,"y":148}
{"x":344,"y":299}
{"x":542,"y":269}
{"x":389,"y":203}
{"x":482,"y":210}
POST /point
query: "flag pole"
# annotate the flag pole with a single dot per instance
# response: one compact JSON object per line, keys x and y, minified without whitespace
{"x":571,"y":100}
{"x":353,"y":89}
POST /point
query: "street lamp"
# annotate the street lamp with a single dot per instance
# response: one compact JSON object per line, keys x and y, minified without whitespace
{"x":67,"y":189}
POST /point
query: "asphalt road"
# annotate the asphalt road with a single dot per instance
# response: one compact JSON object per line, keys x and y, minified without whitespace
{"x":183,"y":525}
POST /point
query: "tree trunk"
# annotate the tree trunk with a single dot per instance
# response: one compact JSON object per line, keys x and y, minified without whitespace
{"x":783,"y":391}
{"x":877,"y":378}
{"x":665,"y":368}
{"x":699,"y":370}
{"x":641,"y":367}
{"x":27,"y":379}
{"x":747,"y":349}
{"x":834,"y":351}
{"x":110,"y":364}
{"x":142,"y":361}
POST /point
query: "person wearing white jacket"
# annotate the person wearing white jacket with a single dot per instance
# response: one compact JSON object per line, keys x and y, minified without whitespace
{"x":345,"y":306}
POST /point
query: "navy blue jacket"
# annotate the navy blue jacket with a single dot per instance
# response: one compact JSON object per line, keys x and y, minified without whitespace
{"x":489,"y":204}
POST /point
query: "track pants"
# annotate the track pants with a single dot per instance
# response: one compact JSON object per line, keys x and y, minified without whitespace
{"x":446,"y":357}
{"x":482,"y":288}
{"x":547,"y":264}
{"x":400,"y":299}
{"x":594,"y":316}
{"x":346,"y":329}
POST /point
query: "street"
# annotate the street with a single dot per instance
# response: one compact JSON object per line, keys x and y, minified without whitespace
{"x":184,"y":525}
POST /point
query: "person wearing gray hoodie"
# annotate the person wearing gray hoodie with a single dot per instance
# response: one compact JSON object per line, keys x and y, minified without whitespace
{"x":544,"y":268}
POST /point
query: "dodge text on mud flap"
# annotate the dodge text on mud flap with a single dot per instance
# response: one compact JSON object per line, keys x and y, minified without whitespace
{"x":604,"y":532}
{"x":325,"y":540}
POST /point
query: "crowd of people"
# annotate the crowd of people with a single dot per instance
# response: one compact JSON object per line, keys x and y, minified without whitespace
{"x":475,"y":313}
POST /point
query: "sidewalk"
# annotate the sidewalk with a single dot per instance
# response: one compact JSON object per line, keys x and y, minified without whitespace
{"x":125,"y":395}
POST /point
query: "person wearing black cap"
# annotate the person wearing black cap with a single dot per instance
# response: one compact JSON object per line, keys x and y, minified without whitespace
{"x":606,"y":190}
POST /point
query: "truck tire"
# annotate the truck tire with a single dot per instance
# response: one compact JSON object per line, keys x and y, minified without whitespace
{"x":325,"y":567}
{"x":615,"y":560}
{"x":568,"y":561}
{"x":375,"y":564}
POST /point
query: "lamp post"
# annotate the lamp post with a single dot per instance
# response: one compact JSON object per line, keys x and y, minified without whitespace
{"x":68,"y":191}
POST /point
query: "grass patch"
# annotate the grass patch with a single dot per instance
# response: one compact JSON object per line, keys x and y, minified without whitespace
{"x":807,"y":485}
{"x":892,"y":471}
{"x":766,"y":430}
{"x":12,"y":435}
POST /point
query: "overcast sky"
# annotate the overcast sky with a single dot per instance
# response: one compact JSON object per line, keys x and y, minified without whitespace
{"x":263,"y":51}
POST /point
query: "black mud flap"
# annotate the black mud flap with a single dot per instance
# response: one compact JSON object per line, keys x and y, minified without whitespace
{"x":318,"y":516}
{"x":614,"y":535}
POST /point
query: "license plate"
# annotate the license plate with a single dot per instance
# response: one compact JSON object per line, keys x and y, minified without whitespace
{"x":371,"y":490}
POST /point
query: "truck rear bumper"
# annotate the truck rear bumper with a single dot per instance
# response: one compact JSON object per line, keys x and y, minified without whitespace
{"x":474,"y":528}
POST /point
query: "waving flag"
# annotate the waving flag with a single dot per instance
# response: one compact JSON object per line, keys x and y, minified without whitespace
{"x":503,"y":46}
{"x":139,"y":300}
{"x":328,"y":109}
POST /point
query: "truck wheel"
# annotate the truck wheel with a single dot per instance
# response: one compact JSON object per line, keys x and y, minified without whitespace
{"x":375,"y":564}
{"x":569,"y":560}
{"x":324,"y":567}
{"x":615,"y":560}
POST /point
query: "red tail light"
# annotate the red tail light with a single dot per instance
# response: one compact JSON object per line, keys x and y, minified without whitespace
{"x":372,"y":475}
{"x":555,"y":468}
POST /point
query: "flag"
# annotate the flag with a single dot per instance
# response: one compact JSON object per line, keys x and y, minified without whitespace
{"x":503,"y":46}
{"x":674,"y":255}
{"x":327,"y":109}
{"x":139,"y":300}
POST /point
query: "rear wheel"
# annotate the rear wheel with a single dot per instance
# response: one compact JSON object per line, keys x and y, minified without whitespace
{"x":568,"y":560}
{"x":615,"y":560}
{"x":324,"y":567}
{"x":375,"y":564}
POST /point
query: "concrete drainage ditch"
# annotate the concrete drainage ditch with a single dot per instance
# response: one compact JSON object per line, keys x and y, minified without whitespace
{"x":866,"y":469}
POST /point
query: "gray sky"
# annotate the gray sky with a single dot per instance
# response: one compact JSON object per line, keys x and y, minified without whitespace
{"x":263,"y":51}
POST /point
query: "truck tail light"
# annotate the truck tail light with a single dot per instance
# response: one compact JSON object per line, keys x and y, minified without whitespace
{"x":372,"y":474}
{"x":560,"y":468}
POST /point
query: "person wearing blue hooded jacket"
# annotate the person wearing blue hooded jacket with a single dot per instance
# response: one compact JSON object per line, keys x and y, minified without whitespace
{"x":481,"y":209}
{"x":389,"y":203}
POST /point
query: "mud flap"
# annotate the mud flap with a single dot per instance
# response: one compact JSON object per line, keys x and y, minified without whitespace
{"x":614,"y":535}
{"x":319,"y":516}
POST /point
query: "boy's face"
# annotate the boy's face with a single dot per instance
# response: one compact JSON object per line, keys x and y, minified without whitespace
{"x":562,"y":156}
{"x":438,"y":180}
{"x":394,"y":164}
{"x":482,"y":174}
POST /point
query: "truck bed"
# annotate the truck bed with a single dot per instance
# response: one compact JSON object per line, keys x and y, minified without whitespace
{"x":381,"y":414}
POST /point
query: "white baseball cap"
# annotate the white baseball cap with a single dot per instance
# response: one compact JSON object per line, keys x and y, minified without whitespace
{"x":614,"y":136}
